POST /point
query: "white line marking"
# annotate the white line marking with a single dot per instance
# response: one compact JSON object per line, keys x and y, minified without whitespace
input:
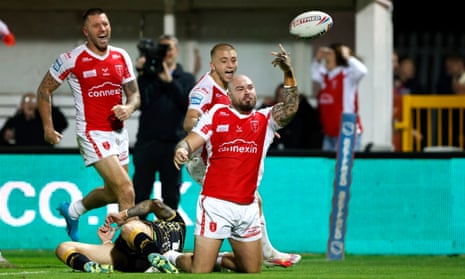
{"x":22,"y":272}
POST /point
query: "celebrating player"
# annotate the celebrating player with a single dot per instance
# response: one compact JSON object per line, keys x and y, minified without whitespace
{"x":211,"y":89}
{"x":97,"y":74}
{"x":237,"y":138}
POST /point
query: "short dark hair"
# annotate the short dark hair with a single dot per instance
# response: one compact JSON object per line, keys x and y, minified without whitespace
{"x":92,"y":11}
{"x":222,"y":46}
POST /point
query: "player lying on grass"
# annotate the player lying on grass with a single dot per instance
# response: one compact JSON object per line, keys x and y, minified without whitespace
{"x":136,"y":248}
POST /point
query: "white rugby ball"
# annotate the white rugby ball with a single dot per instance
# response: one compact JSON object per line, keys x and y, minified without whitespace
{"x":311,"y":24}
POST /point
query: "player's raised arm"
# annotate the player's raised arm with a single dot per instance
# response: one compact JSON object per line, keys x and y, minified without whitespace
{"x":283,"y":112}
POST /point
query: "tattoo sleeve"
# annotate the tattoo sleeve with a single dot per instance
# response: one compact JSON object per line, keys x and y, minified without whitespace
{"x":132,"y":92}
{"x":44,"y":99}
{"x":46,"y":88}
{"x":285,"y":111}
{"x":139,"y":209}
{"x":161,"y":210}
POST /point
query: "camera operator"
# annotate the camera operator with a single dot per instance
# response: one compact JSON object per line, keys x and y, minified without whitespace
{"x":143,"y":46}
{"x":164,"y":87}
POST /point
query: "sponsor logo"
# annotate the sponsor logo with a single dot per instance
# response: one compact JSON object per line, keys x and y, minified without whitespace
{"x":103,"y":90}
{"x":14,"y":194}
{"x":196,"y":99}
{"x":319,"y":18}
{"x":222,"y":128}
{"x":90,"y":73}
{"x":338,"y":230}
{"x":57,"y":65}
{"x":348,"y":128}
{"x":239,"y":146}
{"x":342,"y":184}
{"x":336,"y":247}
{"x":304,"y":20}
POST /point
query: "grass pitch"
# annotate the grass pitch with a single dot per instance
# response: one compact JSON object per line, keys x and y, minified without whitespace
{"x":44,"y":265}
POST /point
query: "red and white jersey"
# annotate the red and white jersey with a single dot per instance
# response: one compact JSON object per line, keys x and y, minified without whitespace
{"x":96,"y":82}
{"x":236,"y":145}
{"x":207,"y":93}
{"x":338,"y":93}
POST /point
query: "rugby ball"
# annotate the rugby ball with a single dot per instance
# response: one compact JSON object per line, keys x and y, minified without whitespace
{"x":310,"y":24}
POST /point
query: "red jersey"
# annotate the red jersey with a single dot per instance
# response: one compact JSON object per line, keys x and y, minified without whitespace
{"x":338,"y":94}
{"x":96,"y":82}
{"x":236,"y":146}
{"x":207,"y":93}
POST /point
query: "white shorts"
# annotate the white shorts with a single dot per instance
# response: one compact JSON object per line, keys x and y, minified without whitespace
{"x":96,"y":145}
{"x":220,"y":219}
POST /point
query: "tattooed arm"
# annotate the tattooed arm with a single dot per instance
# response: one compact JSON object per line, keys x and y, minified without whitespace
{"x":161,"y":210}
{"x":283,"y":112}
{"x":44,"y":103}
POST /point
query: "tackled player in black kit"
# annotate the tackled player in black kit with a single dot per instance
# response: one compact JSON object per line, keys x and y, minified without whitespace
{"x":137,"y":246}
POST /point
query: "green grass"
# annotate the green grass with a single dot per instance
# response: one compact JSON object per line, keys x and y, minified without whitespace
{"x":44,"y":265}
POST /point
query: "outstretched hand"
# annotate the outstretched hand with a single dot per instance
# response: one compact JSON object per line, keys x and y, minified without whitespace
{"x":282,"y":59}
{"x":115,"y":218}
{"x":106,"y":233}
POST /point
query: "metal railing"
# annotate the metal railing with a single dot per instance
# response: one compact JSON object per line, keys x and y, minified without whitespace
{"x":431,"y":121}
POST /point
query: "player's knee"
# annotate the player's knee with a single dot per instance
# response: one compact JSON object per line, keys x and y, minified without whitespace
{"x":67,"y":245}
{"x":64,"y":248}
